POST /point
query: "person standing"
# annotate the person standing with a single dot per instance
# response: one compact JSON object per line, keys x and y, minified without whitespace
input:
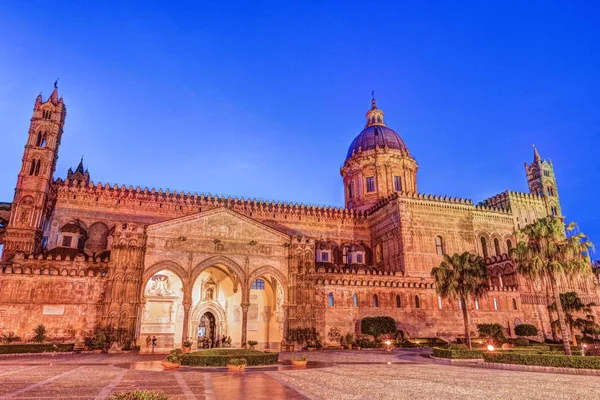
{"x":153,"y":343}
{"x":148,"y":341}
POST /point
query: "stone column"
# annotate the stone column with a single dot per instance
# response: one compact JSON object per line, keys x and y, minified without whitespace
{"x":186,"y":321}
{"x":245,"y":307}
{"x":285,"y":321}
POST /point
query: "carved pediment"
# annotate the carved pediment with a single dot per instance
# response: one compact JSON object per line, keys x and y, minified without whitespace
{"x":222,"y":228}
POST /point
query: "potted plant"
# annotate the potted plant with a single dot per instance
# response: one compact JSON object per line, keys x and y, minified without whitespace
{"x":244,"y":345}
{"x":237,"y":364}
{"x":88,"y":343}
{"x":299,"y":361}
{"x":310,"y":346}
{"x":127,"y":346}
{"x":252,"y":343}
{"x":98,"y":341}
{"x":187,"y":346}
{"x":349,"y":340}
{"x":173,"y":360}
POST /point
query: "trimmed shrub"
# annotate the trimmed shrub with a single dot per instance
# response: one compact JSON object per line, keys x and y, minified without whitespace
{"x":139,"y":395}
{"x":526,"y":330}
{"x":457,"y":347}
{"x":521,"y":341}
{"x":221,"y":357}
{"x":237,"y":361}
{"x":560,"y":348}
{"x":377,"y":326}
{"x":36,"y":348}
{"x":457,"y":354}
{"x":544,"y":360}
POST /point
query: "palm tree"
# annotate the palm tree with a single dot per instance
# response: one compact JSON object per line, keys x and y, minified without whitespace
{"x":549,"y":252}
{"x":571,"y":303}
{"x":461,"y":277}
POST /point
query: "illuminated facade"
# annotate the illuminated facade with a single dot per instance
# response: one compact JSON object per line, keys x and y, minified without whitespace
{"x":79,"y":253}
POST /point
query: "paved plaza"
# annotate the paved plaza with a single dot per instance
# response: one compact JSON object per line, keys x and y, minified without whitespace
{"x":405,"y":374}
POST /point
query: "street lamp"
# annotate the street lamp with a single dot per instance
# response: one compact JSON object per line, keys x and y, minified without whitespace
{"x":490,"y":347}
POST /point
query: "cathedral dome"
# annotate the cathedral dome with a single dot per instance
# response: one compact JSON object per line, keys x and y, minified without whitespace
{"x":376,"y":134}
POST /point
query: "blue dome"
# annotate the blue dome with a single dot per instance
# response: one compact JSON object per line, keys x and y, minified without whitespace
{"x":376,"y":136}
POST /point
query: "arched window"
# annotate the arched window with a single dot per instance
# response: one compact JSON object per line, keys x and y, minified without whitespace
{"x":39,"y":139}
{"x":350,"y":191}
{"x":32,"y":168}
{"x":508,"y":244}
{"x":476,"y":303}
{"x":258,"y":284}
{"x":440,"y":302}
{"x":355,"y":300}
{"x":550,"y":191}
{"x":330,"y":297}
{"x":495,"y":304}
{"x":375,"y":301}
{"x":484,"y":247}
{"x":514,"y":304}
{"x":439,"y":247}
{"x":497,"y":246}
{"x":417,"y":302}
{"x":43,"y":143}
{"x":37,"y":168}
{"x":398,"y":301}
{"x":397,"y":183}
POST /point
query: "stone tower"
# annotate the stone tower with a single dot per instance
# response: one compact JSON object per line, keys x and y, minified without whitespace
{"x":33,"y":193}
{"x":378,"y":164}
{"x":541,"y":181}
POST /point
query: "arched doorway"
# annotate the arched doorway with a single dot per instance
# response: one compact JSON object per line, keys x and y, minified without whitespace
{"x":207,"y":330}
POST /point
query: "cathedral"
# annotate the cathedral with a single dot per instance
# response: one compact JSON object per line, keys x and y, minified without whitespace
{"x":79,"y":254}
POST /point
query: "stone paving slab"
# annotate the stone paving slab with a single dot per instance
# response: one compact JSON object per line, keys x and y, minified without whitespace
{"x":431,"y":381}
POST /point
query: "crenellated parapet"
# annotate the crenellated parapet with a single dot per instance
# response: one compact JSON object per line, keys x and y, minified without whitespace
{"x":164,"y":201}
{"x":57,"y":265}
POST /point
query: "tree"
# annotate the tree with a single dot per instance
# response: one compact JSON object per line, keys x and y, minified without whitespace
{"x":377,"y":326}
{"x":549,"y":252}
{"x":39,"y":333}
{"x":493,"y":332}
{"x":526,"y":330}
{"x":571,"y":303}
{"x":461,"y":277}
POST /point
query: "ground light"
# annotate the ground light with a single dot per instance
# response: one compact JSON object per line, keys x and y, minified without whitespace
{"x":490,"y":347}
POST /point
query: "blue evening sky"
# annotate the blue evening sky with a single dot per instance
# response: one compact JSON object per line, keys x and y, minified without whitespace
{"x":263,"y":99}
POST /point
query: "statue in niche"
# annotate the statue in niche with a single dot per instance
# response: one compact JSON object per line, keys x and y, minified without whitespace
{"x":171,"y":313}
{"x":210,"y":292}
{"x":147,"y":312}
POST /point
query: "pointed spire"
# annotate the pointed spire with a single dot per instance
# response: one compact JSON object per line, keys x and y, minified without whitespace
{"x":80,"y":167}
{"x":54,"y":96}
{"x":536,"y":155}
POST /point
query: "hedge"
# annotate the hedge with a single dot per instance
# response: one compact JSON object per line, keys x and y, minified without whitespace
{"x":560,"y":348}
{"x":36,"y":348}
{"x":220,"y":357}
{"x":545,"y":360}
{"x":457,"y":354}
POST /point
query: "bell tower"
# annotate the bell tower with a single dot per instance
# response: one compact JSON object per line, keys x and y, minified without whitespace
{"x":32,"y":203}
{"x":541,"y":181}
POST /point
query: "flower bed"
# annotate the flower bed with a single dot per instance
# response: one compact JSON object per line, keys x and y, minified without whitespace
{"x":544,"y":360}
{"x":457,"y":354}
{"x":221,"y":357}
{"x":36,"y":348}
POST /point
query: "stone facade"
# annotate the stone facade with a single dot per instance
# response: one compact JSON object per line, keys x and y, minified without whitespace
{"x":80,"y":254}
